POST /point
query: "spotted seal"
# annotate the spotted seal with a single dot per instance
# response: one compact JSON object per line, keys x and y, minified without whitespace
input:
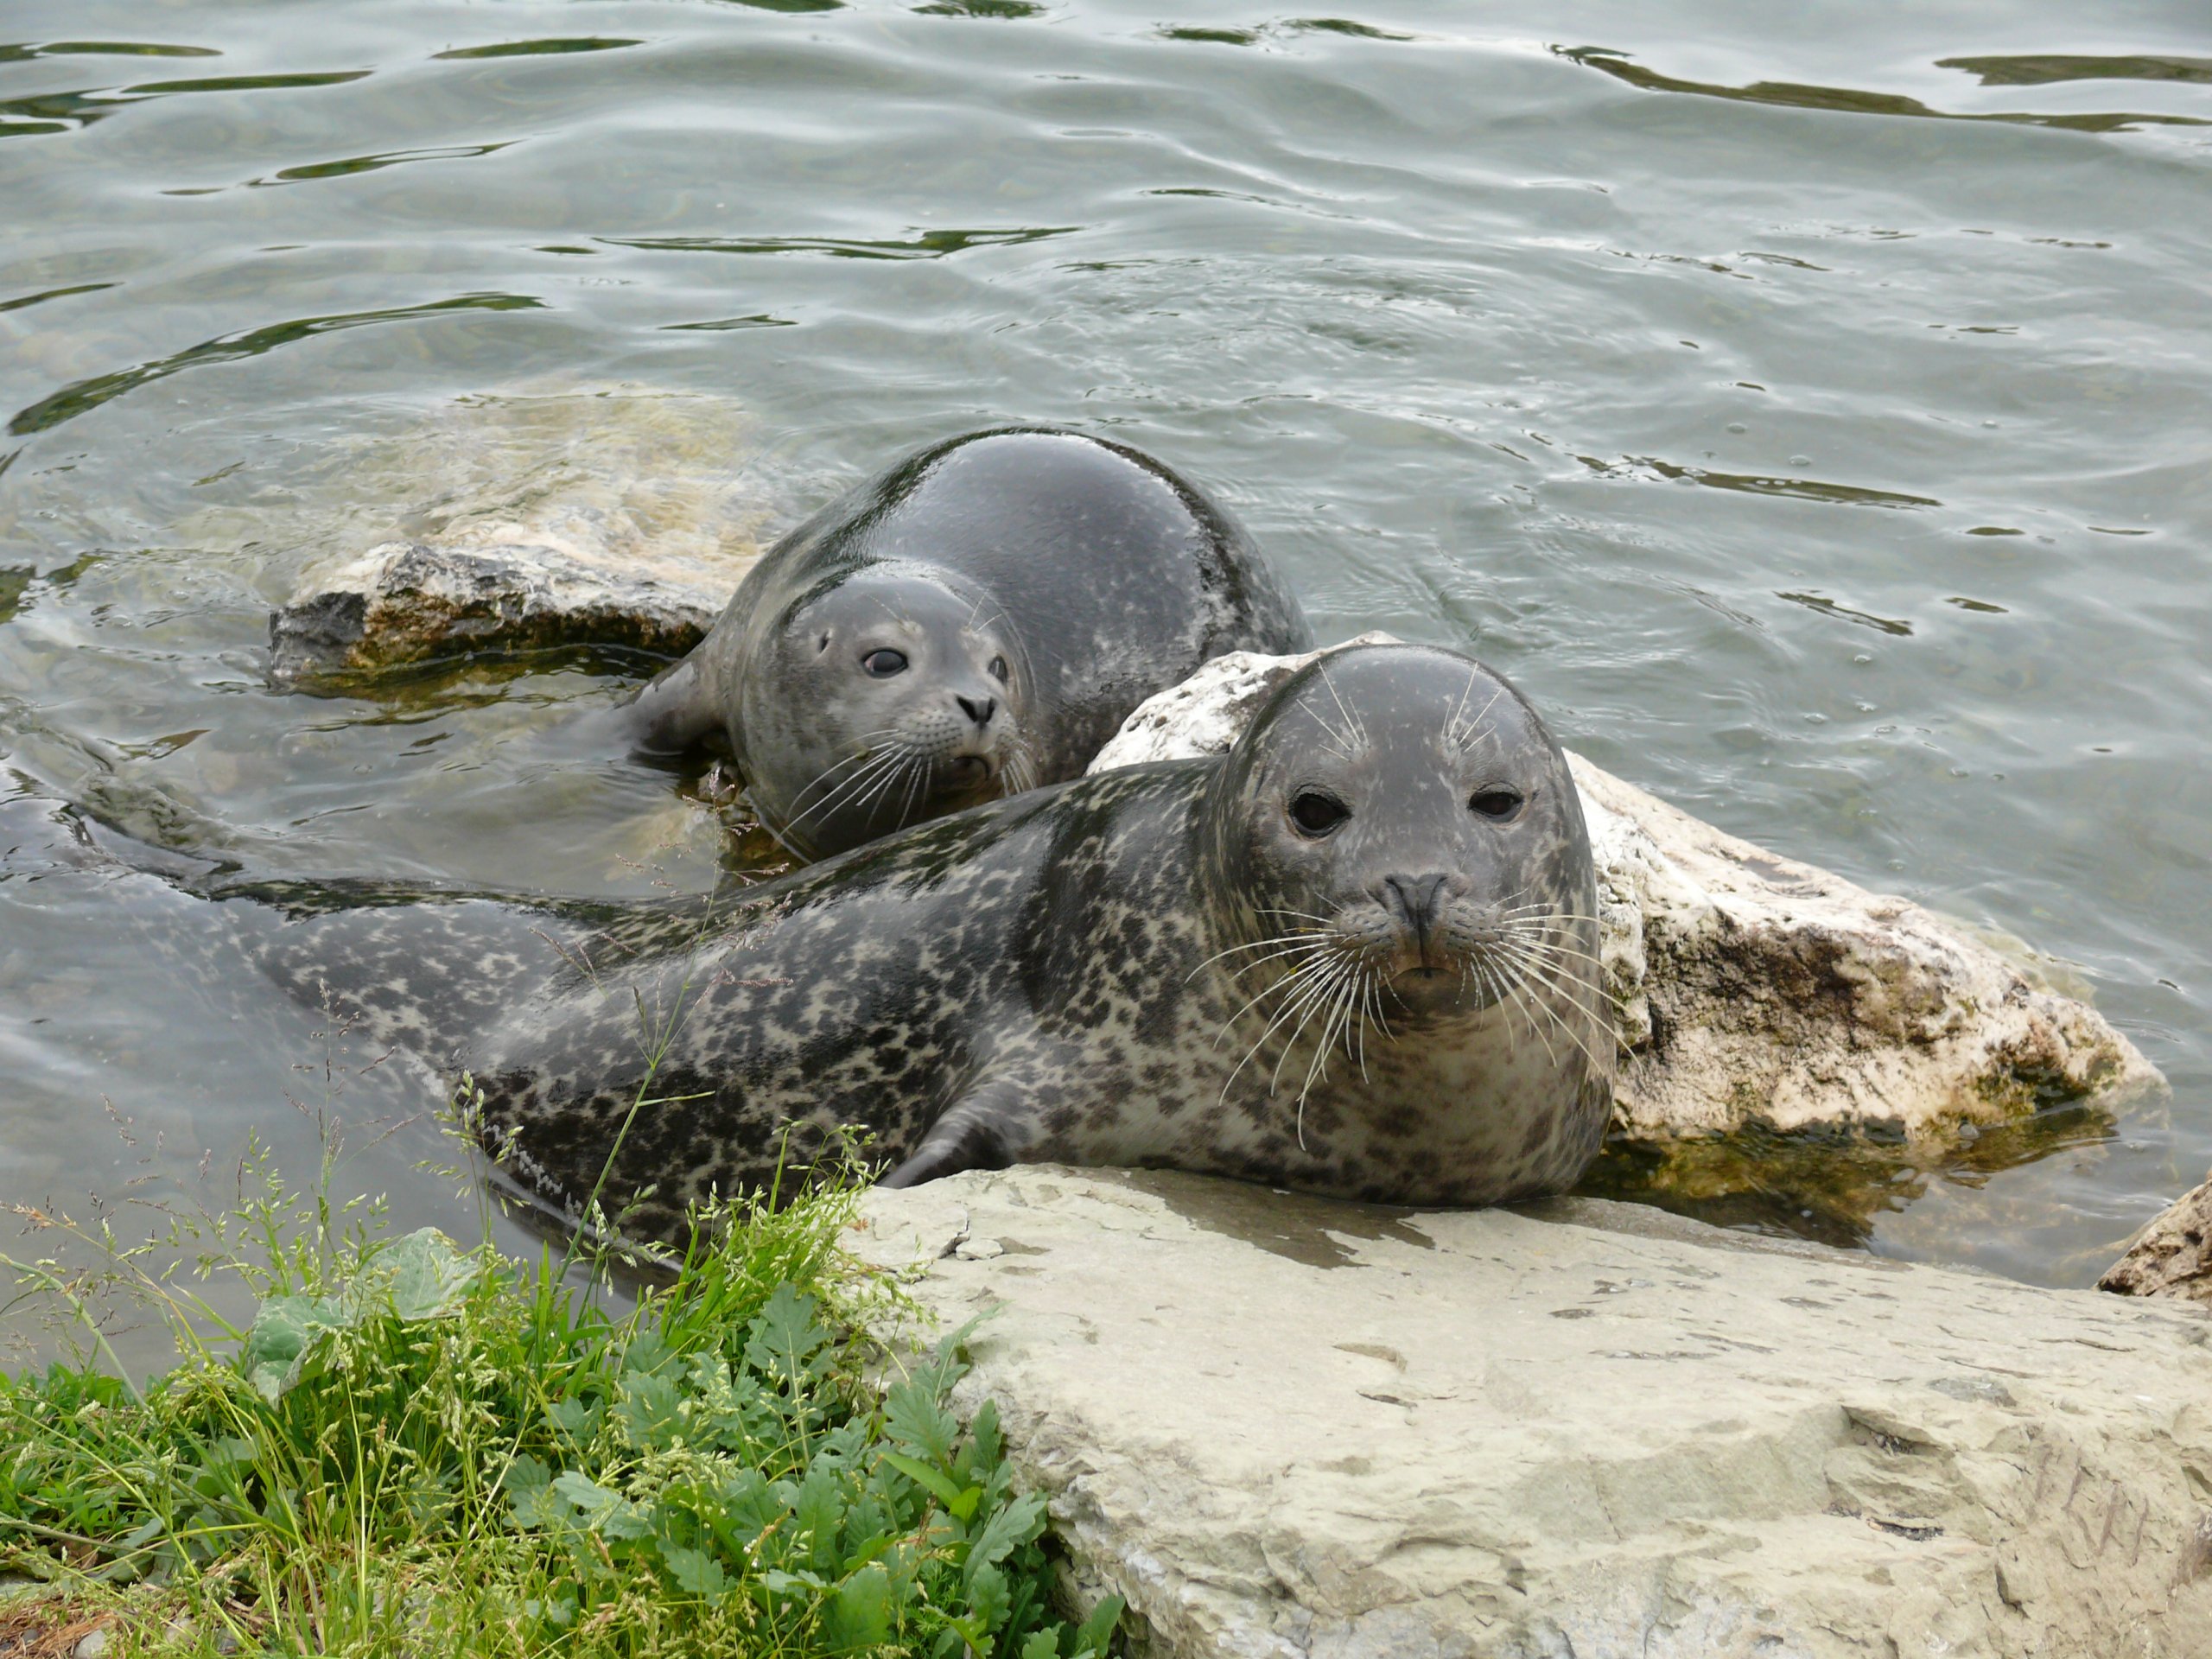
{"x":1355,"y":955}
{"x":976,"y":619}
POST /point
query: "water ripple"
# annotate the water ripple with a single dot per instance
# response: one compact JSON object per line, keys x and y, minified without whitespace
{"x":1851,"y":101}
{"x":49,"y":113}
{"x":927,"y":244}
{"x":550,"y":48}
{"x":85,"y":395}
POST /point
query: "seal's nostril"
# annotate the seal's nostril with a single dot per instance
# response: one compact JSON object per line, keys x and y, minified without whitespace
{"x":980,"y":709}
{"x":1418,"y":898}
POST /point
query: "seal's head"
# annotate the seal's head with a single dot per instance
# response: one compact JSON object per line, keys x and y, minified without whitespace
{"x":1399,"y":829}
{"x":878,"y":698}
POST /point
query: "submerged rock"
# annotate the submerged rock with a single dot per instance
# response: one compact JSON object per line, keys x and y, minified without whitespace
{"x":1280,"y":1425}
{"x":2173,"y":1257}
{"x":499,"y":587}
{"x":1753,"y":991}
{"x":555,"y":514}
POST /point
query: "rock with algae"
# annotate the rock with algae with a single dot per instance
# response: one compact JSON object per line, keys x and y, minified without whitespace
{"x":1754,"y":991}
{"x":499,"y":587}
{"x":1287,"y":1428}
{"x":564,"y":516}
{"x":2173,"y":1257}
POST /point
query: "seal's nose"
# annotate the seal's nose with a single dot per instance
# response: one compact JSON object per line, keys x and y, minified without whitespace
{"x":980,"y":709}
{"x":1419,"y":900}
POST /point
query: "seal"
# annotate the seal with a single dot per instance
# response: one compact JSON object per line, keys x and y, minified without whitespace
{"x":1354,"y":955}
{"x":978,"y":619}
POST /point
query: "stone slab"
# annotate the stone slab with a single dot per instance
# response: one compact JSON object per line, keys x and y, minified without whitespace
{"x":1285,"y":1428}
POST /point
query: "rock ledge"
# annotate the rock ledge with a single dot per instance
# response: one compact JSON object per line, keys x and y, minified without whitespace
{"x":1283,"y":1428}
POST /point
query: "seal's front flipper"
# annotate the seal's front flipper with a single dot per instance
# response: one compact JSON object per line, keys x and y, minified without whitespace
{"x":674,"y":713}
{"x":970,"y":1136}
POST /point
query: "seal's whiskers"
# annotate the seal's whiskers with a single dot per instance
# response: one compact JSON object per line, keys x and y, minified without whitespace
{"x":1533,"y":973}
{"x":865,"y":753}
{"x":1309,"y":953}
{"x":905,"y":758}
{"x":1461,"y":734}
{"x":1321,"y":995}
{"x":878,"y":759}
{"x":1257,"y":945}
{"x":1336,"y":1024}
{"x":1318,"y":965}
{"x":917,"y":774}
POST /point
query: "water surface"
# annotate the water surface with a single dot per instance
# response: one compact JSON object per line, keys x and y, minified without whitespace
{"x":1810,"y":418}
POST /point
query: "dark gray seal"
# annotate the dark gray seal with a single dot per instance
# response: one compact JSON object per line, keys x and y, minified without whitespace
{"x":1354,"y":955}
{"x":978,"y":619}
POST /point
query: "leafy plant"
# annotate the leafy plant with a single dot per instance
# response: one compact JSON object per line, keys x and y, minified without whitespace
{"x":414,"y":1448}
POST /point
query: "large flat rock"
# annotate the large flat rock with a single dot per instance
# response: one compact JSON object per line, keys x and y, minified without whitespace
{"x":1283,"y":1427}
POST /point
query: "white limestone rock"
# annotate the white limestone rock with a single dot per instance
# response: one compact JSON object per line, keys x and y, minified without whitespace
{"x":1287,"y":1428}
{"x":1752,"y":990}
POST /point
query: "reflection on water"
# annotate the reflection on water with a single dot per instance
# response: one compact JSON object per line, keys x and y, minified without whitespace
{"x":1805,"y":489}
{"x":73,"y":401}
{"x":1849,"y":101}
{"x":29,"y":118}
{"x":2043,"y":71}
{"x":1837,"y":1188}
{"x":536,"y":48}
{"x":929,"y":244}
{"x":1812,"y":421}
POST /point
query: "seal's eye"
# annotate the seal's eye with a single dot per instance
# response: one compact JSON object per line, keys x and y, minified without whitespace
{"x":1500,"y":805}
{"x":882,"y":664}
{"x":821,"y":644}
{"x":998,"y":670}
{"x":1316,"y":814}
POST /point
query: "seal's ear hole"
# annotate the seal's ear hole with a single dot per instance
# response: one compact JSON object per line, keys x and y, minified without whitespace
{"x":1499,"y":806}
{"x":1316,"y":814}
{"x":998,"y":670}
{"x":882,"y":664}
{"x":821,"y":644}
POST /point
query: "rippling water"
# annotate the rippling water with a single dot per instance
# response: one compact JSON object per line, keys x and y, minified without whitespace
{"x":1811,"y":416}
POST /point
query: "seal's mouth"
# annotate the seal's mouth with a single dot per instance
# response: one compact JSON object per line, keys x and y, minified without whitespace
{"x":1418,"y":961}
{"x":960,"y":780}
{"x":1425,"y":985}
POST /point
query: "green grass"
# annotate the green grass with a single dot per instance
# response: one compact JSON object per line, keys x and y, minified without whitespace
{"x":416,"y":1449}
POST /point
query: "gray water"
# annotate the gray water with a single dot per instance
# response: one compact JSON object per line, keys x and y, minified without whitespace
{"x":1806,"y":405}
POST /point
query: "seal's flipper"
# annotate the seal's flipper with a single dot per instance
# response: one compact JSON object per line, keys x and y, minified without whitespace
{"x":437,"y":970}
{"x":673,"y":714}
{"x":970,"y":1136}
{"x":433,"y":978}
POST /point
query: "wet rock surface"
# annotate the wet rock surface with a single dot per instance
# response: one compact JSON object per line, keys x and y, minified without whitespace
{"x":599,"y":516}
{"x":1752,"y":990}
{"x":498,"y":587}
{"x":1284,"y":1426}
{"x":2173,"y":1257}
